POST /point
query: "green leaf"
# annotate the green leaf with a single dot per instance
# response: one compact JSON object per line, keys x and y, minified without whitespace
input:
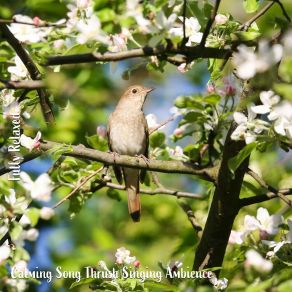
{"x":113,"y":194}
{"x":157,"y":139}
{"x":33,"y":215}
{"x":213,"y":98}
{"x":192,"y":151}
{"x":251,"y":6}
{"x":82,"y":282}
{"x":15,"y":231}
{"x":97,"y":142}
{"x":237,"y":160}
{"x":78,"y":49}
{"x":246,"y":35}
{"x":106,"y":15}
{"x":58,"y":151}
{"x":285,"y":70}
{"x":192,"y":116}
{"x":284,"y":90}
{"x":160,"y":286}
{"x":190,"y":102}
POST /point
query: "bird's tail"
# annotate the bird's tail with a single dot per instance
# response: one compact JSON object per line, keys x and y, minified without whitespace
{"x":132,"y":185}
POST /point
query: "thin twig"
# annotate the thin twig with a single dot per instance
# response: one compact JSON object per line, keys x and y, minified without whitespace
{"x":31,"y":68}
{"x":82,"y":182}
{"x":184,"y":40}
{"x":263,"y":198}
{"x":248,"y":23}
{"x":152,"y":130}
{"x":26,"y":158}
{"x":159,"y":191}
{"x":191,"y":216}
{"x":271,"y":189}
{"x":209,"y":23}
{"x":22,"y":84}
{"x":283,"y":10}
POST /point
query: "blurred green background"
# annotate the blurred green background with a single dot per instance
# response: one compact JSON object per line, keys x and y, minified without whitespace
{"x":88,"y":93}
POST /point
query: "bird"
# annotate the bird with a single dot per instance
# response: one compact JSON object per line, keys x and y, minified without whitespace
{"x":128,"y":135}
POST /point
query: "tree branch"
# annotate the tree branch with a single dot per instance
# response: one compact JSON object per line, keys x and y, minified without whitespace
{"x":152,"y":130}
{"x":23,"y":84}
{"x":265,"y":197}
{"x":283,"y":10}
{"x":271,"y":189}
{"x":82,"y":152}
{"x":225,"y":203}
{"x":248,"y":23}
{"x":159,"y":191}
{"x":163,"y":52}
{"x":41,"y":24}
{"x":191,"y":216}
{"x":79,"y":185}
{"x":184,"y":40}
{"x":209,"y":23}
{"x":31,"y":68}
{"x":28,"y":157}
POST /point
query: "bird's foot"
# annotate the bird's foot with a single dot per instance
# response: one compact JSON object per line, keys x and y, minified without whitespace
{"x":115,"y":154}
{"x":146,"y":160}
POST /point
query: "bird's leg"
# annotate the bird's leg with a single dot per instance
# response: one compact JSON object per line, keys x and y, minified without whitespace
{"x":146,"y":160}
{"x":106,"y":174}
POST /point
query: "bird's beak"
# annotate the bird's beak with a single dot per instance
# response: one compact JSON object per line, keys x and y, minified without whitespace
{"x":149,"y":89}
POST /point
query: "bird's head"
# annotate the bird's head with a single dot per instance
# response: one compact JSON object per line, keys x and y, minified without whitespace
{"x":135,"y":95}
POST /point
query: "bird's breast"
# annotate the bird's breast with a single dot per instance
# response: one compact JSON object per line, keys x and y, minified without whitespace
{"x":127,"y":133}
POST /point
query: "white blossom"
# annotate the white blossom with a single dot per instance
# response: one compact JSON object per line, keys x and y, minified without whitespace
{"x":176,"y":112}
{"x":248,"y":127}
{"x":248,"y":63}
{"x":177,"y":153}
{"x":220,"y":19}
{"x":24,"y":220}
{"x":16,"y":203}
{"x":118,"y":43}
{"x":255,"y":260}
{"x":263,"y":221}
{"x":192,"y":29}
{"x":123,"y":256}
{"x":20,"y":267}
{"x":30,"y":143}
{"x":219,"y":284}
{"x":282,"y":117}
{"x":236,"y":237}
{"x":90,"y":30}
{"x":163,"y":23}
{"x":47,"y":213}
{"x":152,"y":121}
{"x":31,"y":234}
{"x":5,"y":252}
{"x":268,"y":99}
{"x":17,"y":284}
{"x":19,"y":71}
{"x":185,"y":67}
{"x":101,"y":131}
{"x":40,"y":189}
{"x":28,"y":33}
{"x":134,"y":9}
{"x":277,"y":245}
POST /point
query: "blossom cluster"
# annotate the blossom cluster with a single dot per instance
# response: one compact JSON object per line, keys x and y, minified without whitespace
{"x":271,"y":113}
{"x":268,"y":227}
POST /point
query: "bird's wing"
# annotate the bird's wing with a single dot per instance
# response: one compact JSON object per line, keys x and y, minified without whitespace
{"x":143,"y":171}
{"x":117,"y":169}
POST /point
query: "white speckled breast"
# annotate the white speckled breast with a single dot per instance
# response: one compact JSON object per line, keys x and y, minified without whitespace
{"x":127,"y":132}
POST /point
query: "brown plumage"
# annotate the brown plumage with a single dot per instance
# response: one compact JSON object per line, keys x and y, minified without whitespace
{"x":128,"y":135}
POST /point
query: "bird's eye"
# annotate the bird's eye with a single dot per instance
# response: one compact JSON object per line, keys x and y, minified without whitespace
{"x":134,"y":90}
